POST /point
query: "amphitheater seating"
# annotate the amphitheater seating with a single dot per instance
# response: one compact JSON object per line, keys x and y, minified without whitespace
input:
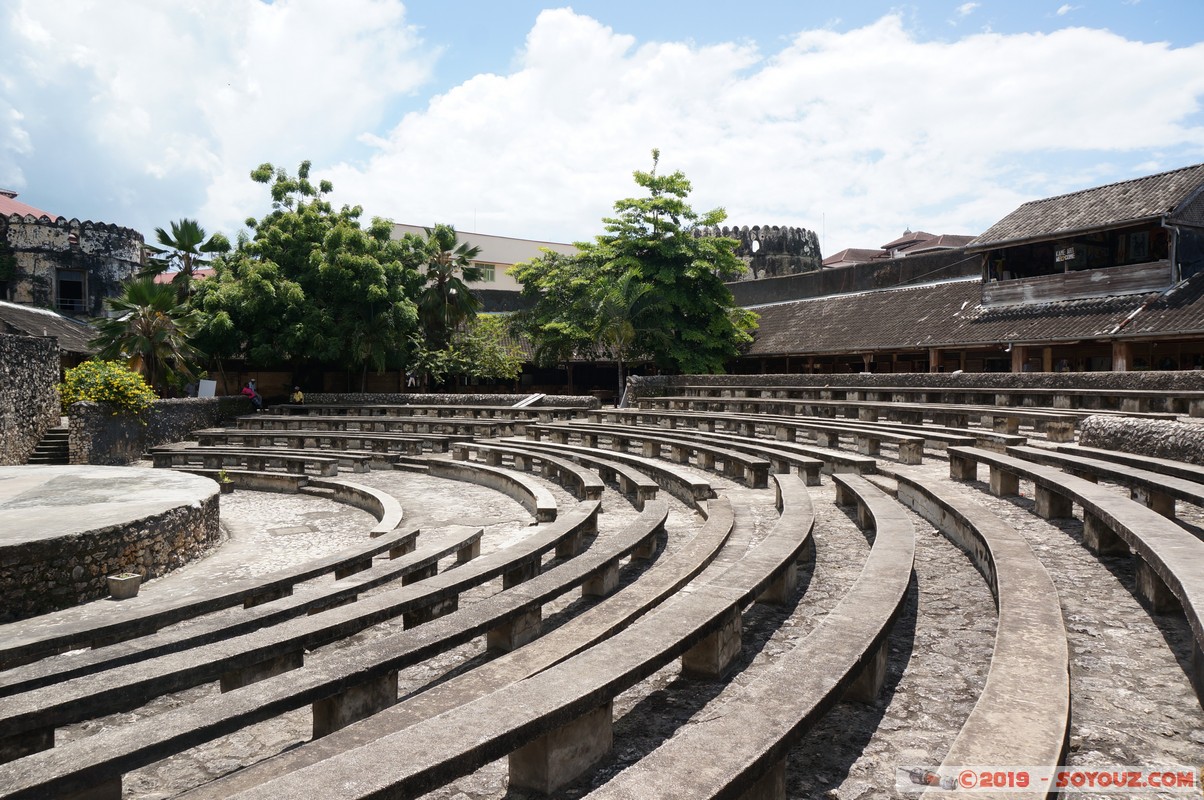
{"x":211,"y":459}
{"x":757,"y":723}
{"x":1157,"y":490}
{"x":587,"y":485}
{"x":752,"y":470}
{"x":146,"y":614}
{"x":683,"y":485}
{"x":1170,"y":565}
{"x":333,"y":440}
{"x":531,"y":494}
{"x":455,"y":426}
{"x":580,"y":689}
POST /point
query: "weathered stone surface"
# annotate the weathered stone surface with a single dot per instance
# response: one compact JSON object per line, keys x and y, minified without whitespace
{"x":98,"y":436}
{"x":563,"y":401}
{"x":1181,"y":441}
{"x":63,"y":530}
{"x":29,"y":399}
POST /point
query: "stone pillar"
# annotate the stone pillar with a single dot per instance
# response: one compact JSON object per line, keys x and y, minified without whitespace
{"x":1003,"y":483}
{"x":559,"y":757}
{"x":429,"y":612}
{"x":356,"y":703}
{"x":1154,"y":591}
{"x":238,"y":678}
{"x":770,"y":786}
{"x":866,"y":687}
{"x":1051,"y":505}
{"x":602,"y":582}
{"x":962,"y":468}
{"x":516,"y":632}
{"x":1161,"y":502}
{"x":1100,"y":539}
{"x":711,"y":657}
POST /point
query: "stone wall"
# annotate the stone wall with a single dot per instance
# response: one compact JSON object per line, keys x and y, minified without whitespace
{"x":99,"y":437}
{"x":1180,"y":441}
{"x":641,"y":386}
{"x":29,"y":397}
{"x":46,"y":575}
{"x":904,"y":271}
{"x":357,"y":398}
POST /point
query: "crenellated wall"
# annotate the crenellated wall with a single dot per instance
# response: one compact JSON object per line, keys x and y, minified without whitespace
{"x":770,"y":251}
{"x":36,"y":248}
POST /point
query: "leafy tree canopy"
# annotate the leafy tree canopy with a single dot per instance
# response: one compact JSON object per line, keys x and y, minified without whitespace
{"x":646,"y":288}
{"x":106,"y":382}
{"x":310,"y":284}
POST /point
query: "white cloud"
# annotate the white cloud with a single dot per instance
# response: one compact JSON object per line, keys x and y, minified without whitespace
{"x":861,"y":133}
{"x":865,"y":131}
{"x":966,"y":9}
{"x":1065,"y":9}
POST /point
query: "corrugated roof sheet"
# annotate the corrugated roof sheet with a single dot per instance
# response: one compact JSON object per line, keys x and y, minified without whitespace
{"x":73,"y":335}
{"x":1092,"y":209}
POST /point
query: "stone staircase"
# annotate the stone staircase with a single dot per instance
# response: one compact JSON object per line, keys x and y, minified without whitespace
{"x":53,"y":447}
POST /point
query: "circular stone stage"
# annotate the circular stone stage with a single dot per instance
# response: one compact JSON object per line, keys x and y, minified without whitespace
{"x":63,"y":530}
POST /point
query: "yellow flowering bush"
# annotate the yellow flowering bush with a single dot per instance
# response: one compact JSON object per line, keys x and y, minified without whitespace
{"x":108,"y":382}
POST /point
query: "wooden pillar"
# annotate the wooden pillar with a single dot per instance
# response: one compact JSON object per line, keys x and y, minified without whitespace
{"x":1122,"y":356}
{"x":934,"y":359}
{"x":1047,"y":359}
{"x":1019,"y":352}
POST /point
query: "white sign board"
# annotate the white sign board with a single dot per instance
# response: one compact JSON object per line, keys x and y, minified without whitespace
{"x":206,"y":389}
{"x":1064,"y":255}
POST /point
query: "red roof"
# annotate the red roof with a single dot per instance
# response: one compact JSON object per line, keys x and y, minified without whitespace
{"x":197,"y":274}
{"x":9,"y":205}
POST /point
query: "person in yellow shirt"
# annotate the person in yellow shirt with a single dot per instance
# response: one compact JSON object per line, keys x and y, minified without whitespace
{"x":297,"y":397}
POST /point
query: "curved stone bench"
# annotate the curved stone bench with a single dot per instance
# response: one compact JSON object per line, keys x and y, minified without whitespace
{"x":826,"y":433}
{"x":411,"y":424}
{"x":34,"y":639}
{"x":585,"y":484}
{"x":1170,"y":560}
{"x":250,"y":460}
{"x":752,"y":470}
{"x":382,"y":505}
{"x":686,"y":487}
{"x":1156,"y":490}
{"x":410,"y":444}
{"x":1022,"y":715}
{"x":351,"y":461}
{"x":532,"y":495}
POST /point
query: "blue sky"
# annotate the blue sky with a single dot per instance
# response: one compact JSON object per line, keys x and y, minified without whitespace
{"x":525,"y":118}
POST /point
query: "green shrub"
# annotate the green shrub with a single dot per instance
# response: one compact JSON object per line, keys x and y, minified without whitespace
{"x":108,"y":382}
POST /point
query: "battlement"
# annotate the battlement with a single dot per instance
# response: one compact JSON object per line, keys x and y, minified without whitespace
{"x":771,"y":250}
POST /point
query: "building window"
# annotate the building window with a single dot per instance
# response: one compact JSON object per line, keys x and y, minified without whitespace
{"x":488,"y":272}
{"x":70,"y":293}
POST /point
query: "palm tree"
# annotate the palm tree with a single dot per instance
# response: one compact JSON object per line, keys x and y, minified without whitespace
{"x":151,"y":331}
{"x":626,"y":319}
{"x":446,"y":300}
{"x":184,"y":249}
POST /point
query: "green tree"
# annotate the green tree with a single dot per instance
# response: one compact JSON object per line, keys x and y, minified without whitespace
{"x":311,"y":285}
{"x":446,"y":301}
{"x":151,"y":331}
{"x":183,"y":250}
{"x":647,"y":287}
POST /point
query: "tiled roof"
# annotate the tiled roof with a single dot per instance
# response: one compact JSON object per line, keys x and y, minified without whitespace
{"x":908,"y":237}
{"x":9,"y":205}
{"x":1094,"y":209}
{"x":197,"y":274}
{"x":853,"y":255}
{"x":951,"y":315}
{"x":946,"y":241}
{"x":73,"y":336}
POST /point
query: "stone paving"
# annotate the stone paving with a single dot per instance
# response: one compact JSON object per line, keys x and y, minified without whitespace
{"x":1132,"y":702}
